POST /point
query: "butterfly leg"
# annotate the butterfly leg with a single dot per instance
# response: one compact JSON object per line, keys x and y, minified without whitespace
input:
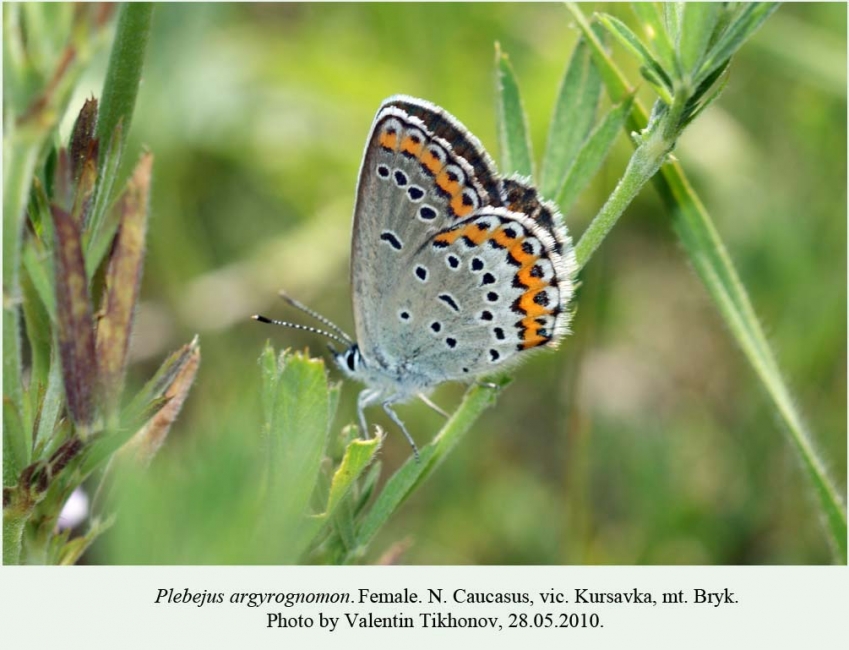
{"x":397,"y":420}
{"x":427,"y":401}
{"x":366,"y":398}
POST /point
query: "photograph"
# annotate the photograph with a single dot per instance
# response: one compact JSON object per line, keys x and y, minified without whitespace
{"x":424,"y":284}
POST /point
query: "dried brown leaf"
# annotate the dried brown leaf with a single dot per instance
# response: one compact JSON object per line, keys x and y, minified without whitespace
{"x":147,"y":441}
{"x":82,"y":136}
{"x":123,"y":279}
{"x":75,"y":321}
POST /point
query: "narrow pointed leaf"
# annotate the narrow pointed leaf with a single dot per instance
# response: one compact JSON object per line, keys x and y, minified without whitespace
{"x":143,"y":406}
{"x":672,"y":18}
{"x":51,"y":405}
{"x":74,"y":320}
{"x":592,"y":155}
{"x":573,"y":118}
{"x":123,"y":281}
{"x":697,"y":26}
{"x":144,"y":444}
{"x":102,"y":221}
{"x":656,"y":34}
{"x":358,"y":456}
{"x":657,"y":84}
{"x":82,"y":136}
{"x":513,"y":137}
{"x":123,"y":75}
{"x":739,"y":30}
{"x":622,"y":33}
{"x":15,"y":456}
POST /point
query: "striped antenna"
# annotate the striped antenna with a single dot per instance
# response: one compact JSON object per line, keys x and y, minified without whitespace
{"x":321,"y":319}
{"x":306,"y":328}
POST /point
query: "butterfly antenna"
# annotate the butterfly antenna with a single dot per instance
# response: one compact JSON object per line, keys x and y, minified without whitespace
{"x":321,"y":319}
{"x":306,"y":328}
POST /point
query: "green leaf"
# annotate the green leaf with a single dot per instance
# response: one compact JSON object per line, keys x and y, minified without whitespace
{"x":38,"y":329}
{"x":51,"y":405}
{"x":123,"y":76}
{"x":298,"y":433}
{"x":705,"y":95}
{"x":573,"y":118}
{"x":616,"y":84}
{"x":103,"y":220}
{"x":358,"y":455}
{"x":513,"y":139}
{"x":656,"y":33}
{"x":270,"y":377}
{"x":39,"y":269}
{"x":657,"y":84}
{"x":622,"y":33}
{"x":592,"y":154}
{"x":741,"y":27}
{"x":698,"y":22}
{"x":672,"y":15}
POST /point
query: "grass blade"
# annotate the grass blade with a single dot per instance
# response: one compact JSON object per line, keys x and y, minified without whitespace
{"x":513,"y":138}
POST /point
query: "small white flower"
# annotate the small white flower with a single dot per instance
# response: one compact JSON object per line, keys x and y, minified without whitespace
{"x":74,"y":511}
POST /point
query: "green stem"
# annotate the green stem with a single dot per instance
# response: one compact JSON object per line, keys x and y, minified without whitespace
{"x":123,"y":75}
{"x":712,"y":262}
{"x":13,"y":532}
{"x":716,"y":270}
{"x":644,"y":163}
{"x":410,"y":475}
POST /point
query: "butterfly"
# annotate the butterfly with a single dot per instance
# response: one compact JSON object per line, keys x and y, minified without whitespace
{"x":456,"y":271}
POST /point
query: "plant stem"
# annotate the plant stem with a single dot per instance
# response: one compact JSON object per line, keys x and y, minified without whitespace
{"x":716,"y":270}
{"x":711,"y":260}
{"x":410,"y":475}
{"x":644,"y":163}
{"x":13,"y":532}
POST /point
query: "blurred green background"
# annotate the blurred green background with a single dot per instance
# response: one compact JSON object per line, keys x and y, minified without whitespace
{"x":645,"y":439}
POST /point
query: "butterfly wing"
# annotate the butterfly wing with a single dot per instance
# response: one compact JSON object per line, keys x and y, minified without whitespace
{"x":412,"y":184}
{"x":455,"y":271}
{"x":498,"y":286}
